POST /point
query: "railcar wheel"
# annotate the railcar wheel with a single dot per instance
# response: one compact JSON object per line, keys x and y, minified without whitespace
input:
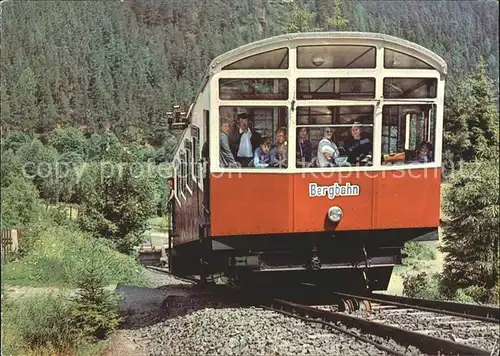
{"x":355,"y":304}
{"x":344,"y":305}
{"x":365,"y":305}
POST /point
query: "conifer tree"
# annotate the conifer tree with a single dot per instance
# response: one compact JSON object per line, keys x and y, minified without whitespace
{"x":338,"y":22}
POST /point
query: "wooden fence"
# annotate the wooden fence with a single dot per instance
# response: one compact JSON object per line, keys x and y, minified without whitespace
{"x":9,"y":242}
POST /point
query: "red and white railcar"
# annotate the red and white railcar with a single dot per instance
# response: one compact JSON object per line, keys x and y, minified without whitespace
{"x":342,"y":224}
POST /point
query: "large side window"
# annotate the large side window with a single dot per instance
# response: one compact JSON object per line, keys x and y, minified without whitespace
{"x":334,"y":136}
{"x":253,"y":137}
{"x":408,"y":134}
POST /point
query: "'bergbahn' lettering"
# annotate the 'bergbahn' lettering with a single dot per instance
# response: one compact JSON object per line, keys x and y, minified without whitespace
{"x":332,"y":191}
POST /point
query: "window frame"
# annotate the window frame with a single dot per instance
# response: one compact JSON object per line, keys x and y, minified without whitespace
{"x":370,"y":46}
{"x":432,"y":118}
{"x":337,"y":125}
{"x":178,"y":179}
{"x":258,"y":105}
{"x":287,"y":91}
{"x":293,"y":73}
{"x":299,"y":94}
{"x":195,"y":134}
{"x":182,"y":159}
{"x":188,"y":148}
{"x":422,"y":79}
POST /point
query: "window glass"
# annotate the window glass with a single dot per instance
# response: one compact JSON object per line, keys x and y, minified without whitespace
{"x":182,"y":156}
{"x":195,"y":132}
{"x":334,"y":136}
{"x":335,"y":88}
{"x":336,"y":57}
{"x":253,"y":137}
{"x":188,"y":145}
{"x":177,"y":167}
{"x":395,"y":59}
{"x":276,"y":59}
{"x":408,"y":134}
{"x":253,"y":89}
{"x":402,"y":88}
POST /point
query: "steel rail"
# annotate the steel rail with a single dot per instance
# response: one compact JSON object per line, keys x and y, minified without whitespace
{"x":333,"y":326}
{"x":447,"y":308}
{"x":425,"y":343}
{"x":488,"y":312}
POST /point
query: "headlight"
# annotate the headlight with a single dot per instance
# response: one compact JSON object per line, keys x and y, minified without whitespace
{"x":335,"y":214}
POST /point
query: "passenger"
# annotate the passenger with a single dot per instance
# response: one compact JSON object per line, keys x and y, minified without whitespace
{"x":327,"y":141}
{"x":328,"y":152}
{"x":304,"y":148}
{"x":279,"y":153}
{"x":248,"y":141}
{"x":358,"y":146}
{"x":262,"y":156}
{"x":226,"y":158}
{"x":424,"y":153}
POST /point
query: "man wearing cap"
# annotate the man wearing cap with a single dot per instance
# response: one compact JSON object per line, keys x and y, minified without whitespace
{"x":326,"y":141}
{"x":248,"y":141}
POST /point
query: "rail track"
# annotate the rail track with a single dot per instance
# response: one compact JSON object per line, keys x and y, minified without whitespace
{"x":193,"y":280}
{"x":341,"y":321}
{"x":463,"y":310}
{"x":431,"y":327}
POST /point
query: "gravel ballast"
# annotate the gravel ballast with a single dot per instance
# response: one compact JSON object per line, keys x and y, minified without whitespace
{"x":176,"y":319}
{"x":247,"y":331}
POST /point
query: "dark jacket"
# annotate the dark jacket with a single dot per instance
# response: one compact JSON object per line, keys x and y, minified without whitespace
{"x":304,"y":151}
{"x":358,"y":149}
{"x":254,"y":140}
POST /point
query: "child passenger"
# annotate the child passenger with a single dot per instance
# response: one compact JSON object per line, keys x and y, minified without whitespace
{"x":262,"y":155}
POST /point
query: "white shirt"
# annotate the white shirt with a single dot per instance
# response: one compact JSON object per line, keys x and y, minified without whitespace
{"x":245,"y":148}
{"x":322,"y":161}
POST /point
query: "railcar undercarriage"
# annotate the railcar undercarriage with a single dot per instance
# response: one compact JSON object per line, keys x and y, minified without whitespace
{"x":347,"y":260}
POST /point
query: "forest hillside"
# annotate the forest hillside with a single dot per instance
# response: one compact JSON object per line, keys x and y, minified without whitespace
{"x":99,"y":65}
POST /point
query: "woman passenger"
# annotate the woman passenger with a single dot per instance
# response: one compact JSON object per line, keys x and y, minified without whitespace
{"x":327,"y":141}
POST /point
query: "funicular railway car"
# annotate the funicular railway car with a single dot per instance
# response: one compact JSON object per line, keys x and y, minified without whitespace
{"x":310,"y":157}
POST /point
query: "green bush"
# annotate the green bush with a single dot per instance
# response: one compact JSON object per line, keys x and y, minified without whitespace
{"x":59,"y":255}
{"x":419,"y":251}
{"x":95,"y":310}
{"x":422,"y":285}
{"x":39,"y":321}
{"x":56,"y":324}
{"x":476,"y":294}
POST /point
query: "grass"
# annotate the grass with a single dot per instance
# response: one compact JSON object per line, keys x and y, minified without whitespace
{"x":42,"y":324}
{"x":156,"y":234}
{"x":60,"y":255}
